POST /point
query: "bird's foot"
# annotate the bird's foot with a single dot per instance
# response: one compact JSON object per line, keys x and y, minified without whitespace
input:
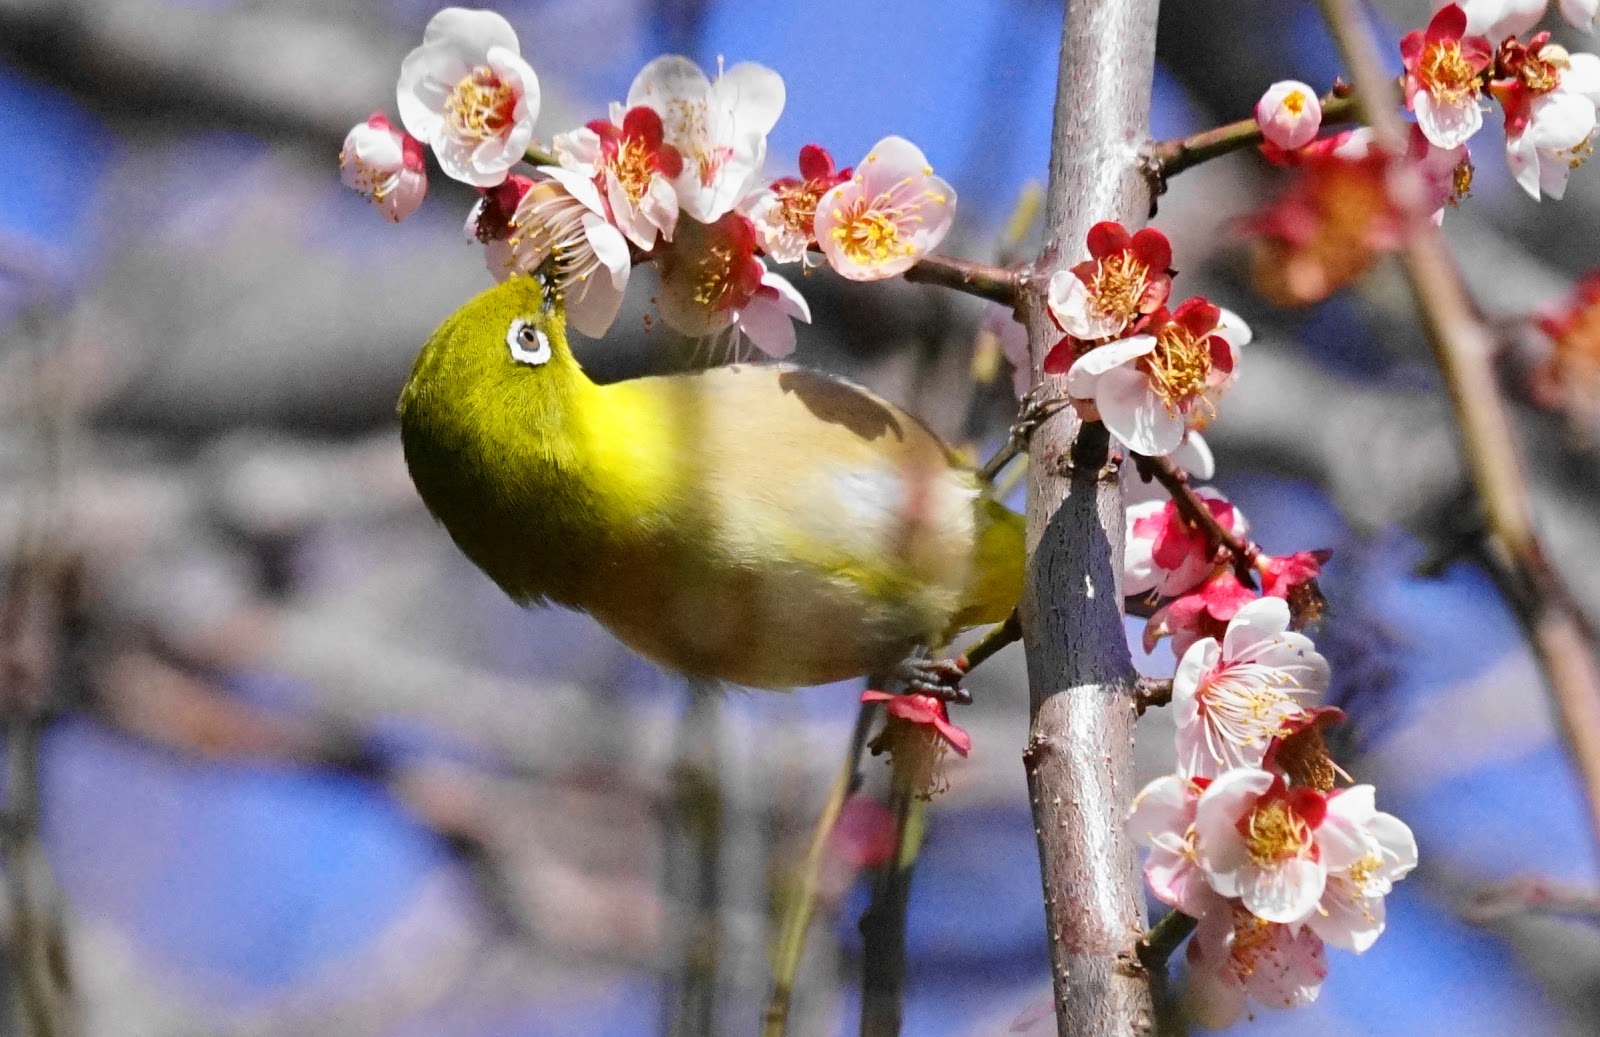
{"x":1033,"y":413}
{"x":938,"y":678}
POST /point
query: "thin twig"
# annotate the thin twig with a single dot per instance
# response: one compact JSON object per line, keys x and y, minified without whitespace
{"x":697,"y":820}
{"x":1151,"y":691}
{"x":883,"y":926}
{"x":1193,"y":508}
{"x":1535,"y":895}
{"x":986,"y":281}
{"x":537,"y":155}
{"x":33,"y":620}
{"x":802,"y":904}
{"x":1168,"y":158}
{"x":1007,"y":632}
{"x":1464,"y":350}
{"x":1163,"y":938}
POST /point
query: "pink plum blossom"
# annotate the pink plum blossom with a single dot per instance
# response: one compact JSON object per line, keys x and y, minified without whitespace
{"x":785,"y":211}
{"x":1497,"y":19}
{"x":1294,"y":579}
{"x":1271,"y":844}
{"x":1351,"y":914}
{"x":719,"y":128}
{"x":1114,"y":292}
{"x":1444,"y":69}
{"x":1231,"y":699}
{"x":385,"y":165}
{"x":711,"y":280}
{"x":1165,"y":554}
{"x":1289,"y":114}
{"x":889,"y":214}
{"x":1235,"y":958}
{"x":924,"y":711}
{"x":1202,"y":612}
{"x":635,"y":169}
{"x":1162,"y":818}
{"x":559,"y":230}
{"x":489,"y":222}
{"x":917,"y":734}
{"x":467,"y":93}
{"x":1149,"y":389}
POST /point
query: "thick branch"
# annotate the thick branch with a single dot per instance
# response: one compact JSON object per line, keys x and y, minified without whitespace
{"x":1168,"y":158}
{"x":995,"y":283}
{"x":1464,"y":350}
{"x":1081,"y":677}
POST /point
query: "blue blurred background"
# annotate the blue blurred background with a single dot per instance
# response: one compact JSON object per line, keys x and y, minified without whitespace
{"x":307,"y":772}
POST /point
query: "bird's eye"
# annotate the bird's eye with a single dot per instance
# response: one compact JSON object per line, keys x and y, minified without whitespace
{"x":528,"y":343}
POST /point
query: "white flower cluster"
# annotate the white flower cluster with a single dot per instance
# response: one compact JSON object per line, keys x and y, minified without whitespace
{"x":673,"y":175}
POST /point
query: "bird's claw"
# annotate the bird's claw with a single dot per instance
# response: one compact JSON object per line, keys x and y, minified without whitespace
{"x":1034,"y":412}
{"x":937,"y":678}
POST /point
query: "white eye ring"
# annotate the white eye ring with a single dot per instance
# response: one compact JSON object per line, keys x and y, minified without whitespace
{"x":528,"y":342}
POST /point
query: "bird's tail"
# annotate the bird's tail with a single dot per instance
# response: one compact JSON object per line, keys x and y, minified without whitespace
{"x":997,"y":569}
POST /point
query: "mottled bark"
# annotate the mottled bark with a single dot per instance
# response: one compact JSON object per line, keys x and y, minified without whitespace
{"x":1078,"y":755}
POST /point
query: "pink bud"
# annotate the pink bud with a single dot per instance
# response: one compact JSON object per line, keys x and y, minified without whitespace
{"x":1289,"y":114}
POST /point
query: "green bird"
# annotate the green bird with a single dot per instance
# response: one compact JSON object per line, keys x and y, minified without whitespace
{"x":761,"y":524}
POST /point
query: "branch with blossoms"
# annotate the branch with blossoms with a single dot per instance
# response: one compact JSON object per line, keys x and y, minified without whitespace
{"x":1252,"y":837}
{"x":672,"y":176}
{"x":1258,"y":840}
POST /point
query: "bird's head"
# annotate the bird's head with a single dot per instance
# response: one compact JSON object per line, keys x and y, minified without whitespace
{"x":498,"y":366}
{"x":514,"y":333}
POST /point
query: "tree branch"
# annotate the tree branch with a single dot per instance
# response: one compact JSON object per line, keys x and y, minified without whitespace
{"x":1080,"y":674}
{"x":1166,"y":159}
{"x":798,"y":912}
{"x":1464,"y":350}
{"x":1193,"y":508}
{"x":995,"y":283}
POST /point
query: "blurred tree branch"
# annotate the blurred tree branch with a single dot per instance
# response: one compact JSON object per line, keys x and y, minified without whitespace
{"x":1464,"y":349}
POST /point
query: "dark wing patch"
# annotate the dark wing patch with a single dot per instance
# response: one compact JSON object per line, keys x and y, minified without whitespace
{"x":840,"y":403}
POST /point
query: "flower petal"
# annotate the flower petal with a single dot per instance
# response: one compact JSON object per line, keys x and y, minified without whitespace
{"x":1134,"y":414}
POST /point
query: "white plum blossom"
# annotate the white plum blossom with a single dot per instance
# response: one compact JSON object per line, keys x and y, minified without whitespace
{"x":1289,"y":114}
{"x":719,"y":128}
{"x":1235,"y":957}
{"x":635,"y":168}
{"x":385,"y":165}
{"x":1351,"y":913}
{"x":1149,"y":389}
{"x":1162,"y":818}
{"x":1548,"y":130}
{"x":562,"y":221}
{"x":1444,"y":67}
{"x":890,"y":213}
{"x":1231,"y":699}
{"x":1165,"y":554}
{"x":1270,"y":844}
{"x":711,"y":280}
{"x":1580,"y":13}
{"x":467,"y":93}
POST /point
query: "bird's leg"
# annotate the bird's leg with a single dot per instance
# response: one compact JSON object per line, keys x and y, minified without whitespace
{"x":1033,"y":413}
{"x":941,"y":678}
